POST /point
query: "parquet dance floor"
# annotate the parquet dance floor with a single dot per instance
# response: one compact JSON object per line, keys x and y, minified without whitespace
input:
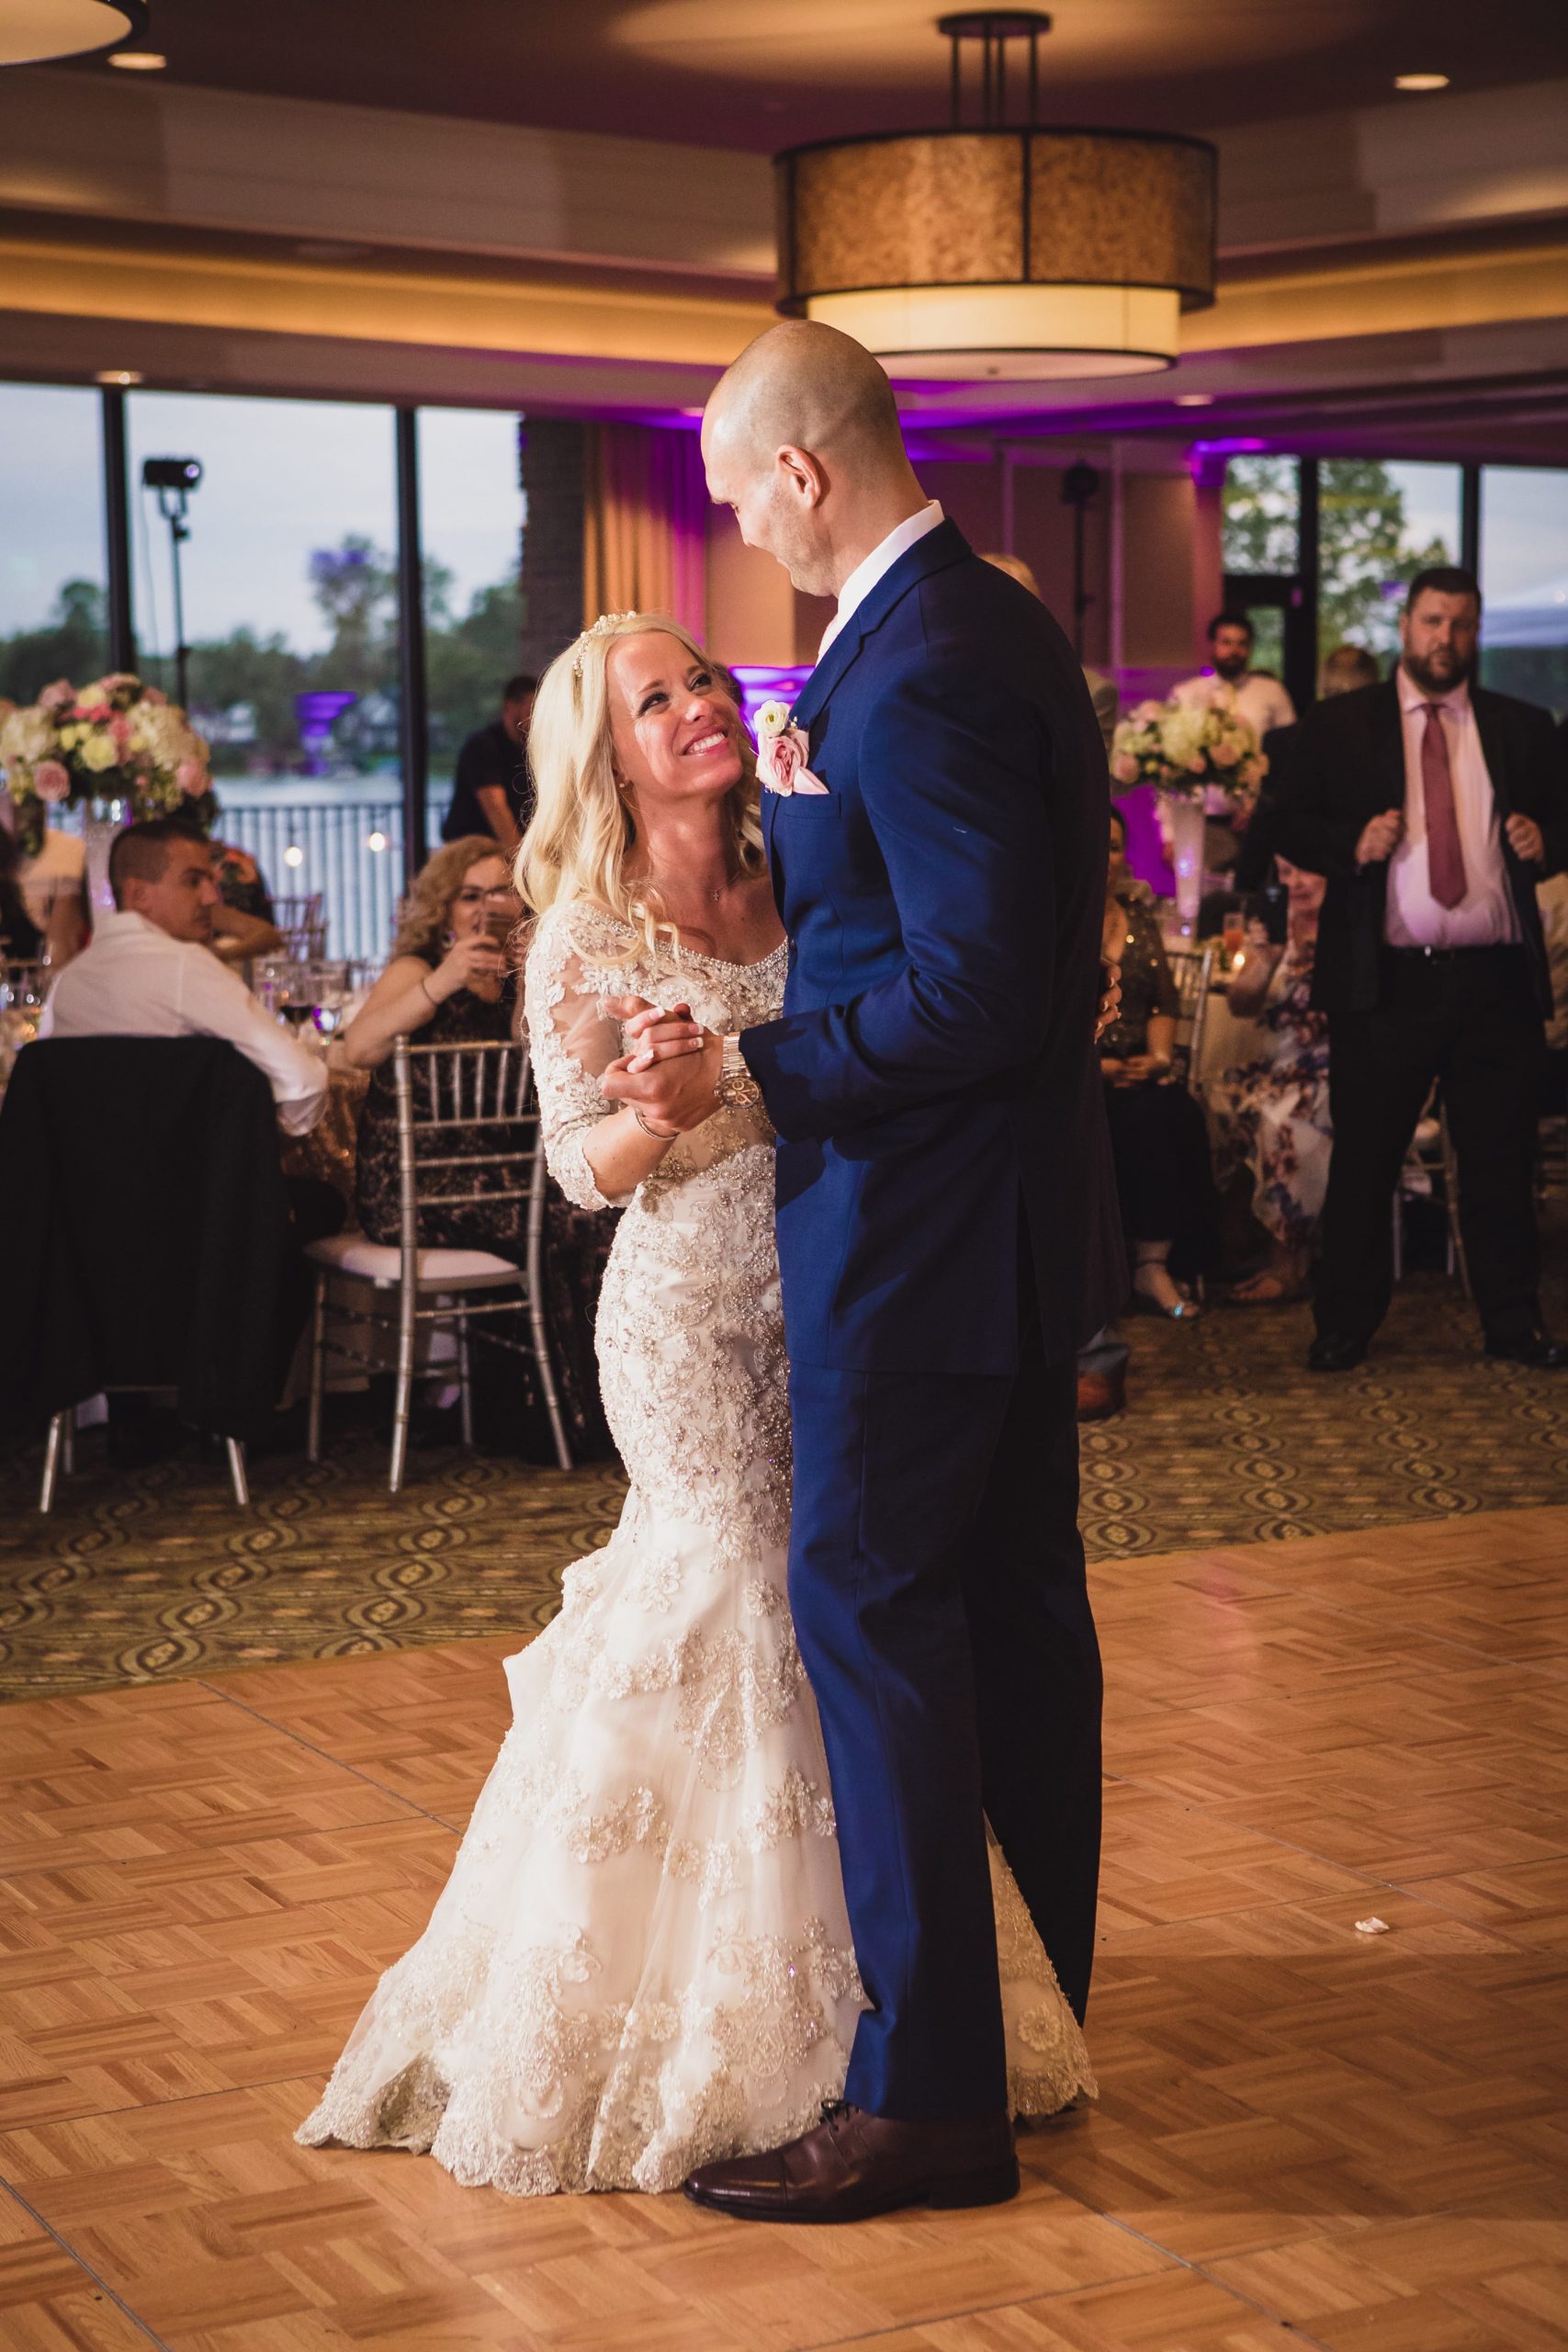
{"x":1308,"y":2135}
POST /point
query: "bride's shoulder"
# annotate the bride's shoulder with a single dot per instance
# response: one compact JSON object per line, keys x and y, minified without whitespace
{"x":576,"y":928}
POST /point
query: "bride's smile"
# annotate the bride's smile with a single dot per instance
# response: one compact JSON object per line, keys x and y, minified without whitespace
{"x":674,"y":729}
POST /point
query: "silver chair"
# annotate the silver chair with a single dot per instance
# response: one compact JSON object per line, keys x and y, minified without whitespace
{"x":1193,"y":969}
{"x":304,"y":929}
{"x":480,"y":1087}
{"x":60,"y":1451}
{"x":1431,"y":1170}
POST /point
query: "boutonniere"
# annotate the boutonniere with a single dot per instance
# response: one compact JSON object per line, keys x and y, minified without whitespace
{"x":780,"y":753}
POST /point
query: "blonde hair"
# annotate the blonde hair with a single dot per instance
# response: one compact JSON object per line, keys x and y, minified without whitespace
{"x":1016,"y":569}
{"x":425,"y":913}
{"x":576,"y":849}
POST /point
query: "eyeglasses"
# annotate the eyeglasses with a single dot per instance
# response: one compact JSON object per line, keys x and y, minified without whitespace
{"x":501,"y":896}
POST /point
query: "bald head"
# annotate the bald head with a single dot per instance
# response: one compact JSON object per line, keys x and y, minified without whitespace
{"x":801,"y":437}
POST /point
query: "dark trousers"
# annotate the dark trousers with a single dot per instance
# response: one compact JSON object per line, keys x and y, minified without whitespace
{"x":940,"y":1600}
{"x":1468,"y":1018}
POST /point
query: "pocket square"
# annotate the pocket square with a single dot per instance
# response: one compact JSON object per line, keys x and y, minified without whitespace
{"x":781,"y":763}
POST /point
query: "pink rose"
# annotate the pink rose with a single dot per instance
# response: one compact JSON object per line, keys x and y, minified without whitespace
{"x":1226,"y":753}
{"x":783,"y":756}
{"x":120,"y":728}
{"x":58,"y":696}
{"x":191,"y":778}
{"x":1147,"y":712}
{"x":96,"y":712}
{"x":51,"y":780}
{"x":1197,"y":766}
{"x":154,"y":694}
{"x":1125,"y":768}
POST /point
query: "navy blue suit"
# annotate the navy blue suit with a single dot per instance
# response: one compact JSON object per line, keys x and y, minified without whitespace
{"x":949,"y":1238}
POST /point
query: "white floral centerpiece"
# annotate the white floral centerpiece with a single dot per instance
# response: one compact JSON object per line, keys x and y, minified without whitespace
{"x":1189,"y":752}
{"x":121,"y":748}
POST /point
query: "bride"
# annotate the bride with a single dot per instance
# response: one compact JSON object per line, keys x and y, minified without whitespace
{"x":641,"y":1961}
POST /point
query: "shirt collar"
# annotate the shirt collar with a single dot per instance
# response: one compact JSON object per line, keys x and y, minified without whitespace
{"x":124,"y":922}
{"x":1413,"y":697}
{"x":881,"y":560}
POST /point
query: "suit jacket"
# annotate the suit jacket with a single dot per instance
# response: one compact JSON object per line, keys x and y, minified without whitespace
{"x":1260,"y":842}
{"x":933,"y":1078}
{"x":144,"y":1172}
{"x":1348,"y":766}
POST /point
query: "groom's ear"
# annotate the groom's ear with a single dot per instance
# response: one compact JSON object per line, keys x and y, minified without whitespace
{"x":805,"y":475}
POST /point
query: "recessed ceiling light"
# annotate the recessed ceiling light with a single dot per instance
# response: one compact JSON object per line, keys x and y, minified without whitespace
{"x":1194,"y":400}
{"x":1420,"y":80}
{"x":138,"y":61}
{"x":117,"y":376}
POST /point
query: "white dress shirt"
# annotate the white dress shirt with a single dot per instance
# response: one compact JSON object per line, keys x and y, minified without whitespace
{"x":1261,"y":702}
{"x":1485,"y":916}
{"x":135,"y":981}
{"x":879,"y":562}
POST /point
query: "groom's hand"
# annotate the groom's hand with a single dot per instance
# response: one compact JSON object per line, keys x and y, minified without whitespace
{"x":1110,"y":1003}
{"x":671,"y":1067}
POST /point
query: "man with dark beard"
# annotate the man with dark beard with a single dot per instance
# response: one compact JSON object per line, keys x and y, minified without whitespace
{"x":1434,"y":806}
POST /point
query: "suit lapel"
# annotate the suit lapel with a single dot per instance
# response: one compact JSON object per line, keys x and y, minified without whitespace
{"x":1495,"y":748}
{"x":1388,"y":751}
{"x":945,"y":546}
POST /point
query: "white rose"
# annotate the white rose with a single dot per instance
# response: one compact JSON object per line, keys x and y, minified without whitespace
{"x":98,"y":752}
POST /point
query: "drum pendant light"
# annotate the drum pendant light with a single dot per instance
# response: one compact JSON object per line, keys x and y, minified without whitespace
{"x":32,"y":30}
{"x":1001,"y":249}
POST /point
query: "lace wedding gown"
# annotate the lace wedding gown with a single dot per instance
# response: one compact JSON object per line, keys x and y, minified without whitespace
{"x":641,"y":1961}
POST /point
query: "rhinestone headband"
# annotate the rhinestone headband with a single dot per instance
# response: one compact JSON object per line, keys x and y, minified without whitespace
{"x":606,"y":625}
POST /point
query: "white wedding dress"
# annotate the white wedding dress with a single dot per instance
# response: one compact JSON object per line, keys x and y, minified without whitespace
{"x":641,"y":1961}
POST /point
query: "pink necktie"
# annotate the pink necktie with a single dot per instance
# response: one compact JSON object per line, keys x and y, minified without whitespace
{"x":1445,"y":859}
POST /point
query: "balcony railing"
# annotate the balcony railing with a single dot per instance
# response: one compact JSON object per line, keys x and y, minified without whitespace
{"x":340,"y":835}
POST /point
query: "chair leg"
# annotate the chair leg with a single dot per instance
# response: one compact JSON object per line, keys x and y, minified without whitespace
{"x":52,"y":1462}
{"x":68,"y":1443}
{"x":465,"y":1382}
{"x":539,"y":1331}
{"x":236,"y":1453}
{"x":318,"y":1367}
{"x":1398,"y":1235}
{"x":408,"y":1332}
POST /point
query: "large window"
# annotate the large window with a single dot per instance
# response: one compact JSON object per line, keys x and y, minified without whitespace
{"x":1378,"y":526}
{"x":471,"y":529}
{"x":1261,"y":548}
{"x":1524,"y":582}
{"x":52,"y":618}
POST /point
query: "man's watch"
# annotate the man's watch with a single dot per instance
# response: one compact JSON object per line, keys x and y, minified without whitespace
{"x":735,"y":1088}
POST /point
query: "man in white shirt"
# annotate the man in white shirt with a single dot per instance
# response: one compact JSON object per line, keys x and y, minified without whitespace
{"x":150,"y":971}
{"x":1434,"y":806}
{"x":1232,"y":683}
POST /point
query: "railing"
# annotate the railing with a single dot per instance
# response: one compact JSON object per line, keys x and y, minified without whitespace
{"x":340,"y":835}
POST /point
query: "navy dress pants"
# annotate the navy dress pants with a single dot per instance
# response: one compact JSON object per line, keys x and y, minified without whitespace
{"x":939,"y":1602}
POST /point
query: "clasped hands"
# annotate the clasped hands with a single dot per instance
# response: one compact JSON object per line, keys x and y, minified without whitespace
{"x":1381,"y":836}
{"x":672,"y":1064}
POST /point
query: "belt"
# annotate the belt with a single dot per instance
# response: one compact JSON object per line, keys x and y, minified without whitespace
{"x":1454,"y":954}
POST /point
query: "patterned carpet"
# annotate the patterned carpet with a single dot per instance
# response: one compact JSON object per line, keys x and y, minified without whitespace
{"x":152,"y":1573}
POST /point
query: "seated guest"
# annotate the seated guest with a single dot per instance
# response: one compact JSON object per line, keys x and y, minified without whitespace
{"x":150,"y":971}
{"x":452,"y":981}
{"x":21,"y":941}
{"x":54,"y":887}
{"x":1271,"y":1116}
{"x":1157,"y":1129}
{"x":243,"y":921}
{"x":490,"y":791}
{"x":1434,"y":807}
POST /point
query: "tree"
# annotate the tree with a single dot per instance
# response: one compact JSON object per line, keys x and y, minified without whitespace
{"x":73,"y":643}
{"x":355,"y":586}
{"x":1363,"y":553}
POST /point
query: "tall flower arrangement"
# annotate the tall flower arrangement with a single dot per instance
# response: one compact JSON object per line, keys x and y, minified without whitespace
{"x":117,"y":740}
{"x":1185,"y":748}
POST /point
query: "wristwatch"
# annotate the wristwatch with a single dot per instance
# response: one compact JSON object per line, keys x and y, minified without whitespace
{"x":737,"y":1088}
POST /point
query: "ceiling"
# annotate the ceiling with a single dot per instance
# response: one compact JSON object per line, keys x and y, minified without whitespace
{"x":764,"y":73}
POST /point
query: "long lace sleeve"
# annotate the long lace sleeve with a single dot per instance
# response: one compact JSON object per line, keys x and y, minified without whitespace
{"x":572,"y":1041}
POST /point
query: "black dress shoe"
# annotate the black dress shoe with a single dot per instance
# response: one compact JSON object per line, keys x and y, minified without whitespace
{"x":1329,"y":1354}
{"x":854,"y":2164}
{"x":1538,"y":1348}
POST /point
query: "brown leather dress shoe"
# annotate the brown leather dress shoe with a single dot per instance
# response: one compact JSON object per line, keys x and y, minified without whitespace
{"x":854,"y":2164}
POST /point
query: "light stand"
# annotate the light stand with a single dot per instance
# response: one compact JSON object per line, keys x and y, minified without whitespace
{"x":1079,"y":485}
{"x":175,"y":479}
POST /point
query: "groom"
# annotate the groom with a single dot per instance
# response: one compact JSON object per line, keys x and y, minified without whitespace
{"x":948,"y":1236}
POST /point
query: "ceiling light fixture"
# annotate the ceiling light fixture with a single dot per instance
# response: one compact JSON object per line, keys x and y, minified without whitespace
{"x":33,"y":30}
{"x":124,"y":376}
{"x":1001,"y":249}
{"x":138,"y":61}
{"x":1420,"y":80}
{"x":1194,"y":400}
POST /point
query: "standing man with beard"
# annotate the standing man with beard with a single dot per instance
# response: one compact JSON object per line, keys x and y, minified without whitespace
{"x":1434,"y":806}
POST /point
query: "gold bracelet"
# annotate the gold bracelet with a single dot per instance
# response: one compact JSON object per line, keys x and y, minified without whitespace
{"x":657,"y":1133}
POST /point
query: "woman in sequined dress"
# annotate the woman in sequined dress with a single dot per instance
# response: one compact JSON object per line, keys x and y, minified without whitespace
{"x":642,"y":1959}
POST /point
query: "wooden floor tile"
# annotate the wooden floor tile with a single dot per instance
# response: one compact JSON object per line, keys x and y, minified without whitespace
{"x":1307,"y":2134}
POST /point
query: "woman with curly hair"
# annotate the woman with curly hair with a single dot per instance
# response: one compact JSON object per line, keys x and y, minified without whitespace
{"x":450,"y":981}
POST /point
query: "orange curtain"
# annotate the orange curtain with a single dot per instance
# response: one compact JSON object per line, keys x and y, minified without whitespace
{"x":645,"y":524}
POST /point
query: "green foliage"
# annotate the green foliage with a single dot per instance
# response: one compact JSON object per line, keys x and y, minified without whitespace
{"x":1363,"y":543}
{"x":468,"y":657}
{"x":1261,"y":506}
{"x":73,"y":643}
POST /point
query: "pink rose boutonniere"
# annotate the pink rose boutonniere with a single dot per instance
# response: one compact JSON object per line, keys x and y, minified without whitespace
{"x":780,"y":753}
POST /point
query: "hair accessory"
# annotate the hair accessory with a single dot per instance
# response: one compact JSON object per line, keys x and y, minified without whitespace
{"x":606,"y":625}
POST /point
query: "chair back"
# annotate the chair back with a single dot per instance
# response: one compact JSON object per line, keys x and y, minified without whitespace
{"x":1193,"y":969}
{"x":468,"y":1130}
{"x":302,"y":925}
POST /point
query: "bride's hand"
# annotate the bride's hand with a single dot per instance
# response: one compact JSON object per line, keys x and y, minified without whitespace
{"x":672,"y":1066}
